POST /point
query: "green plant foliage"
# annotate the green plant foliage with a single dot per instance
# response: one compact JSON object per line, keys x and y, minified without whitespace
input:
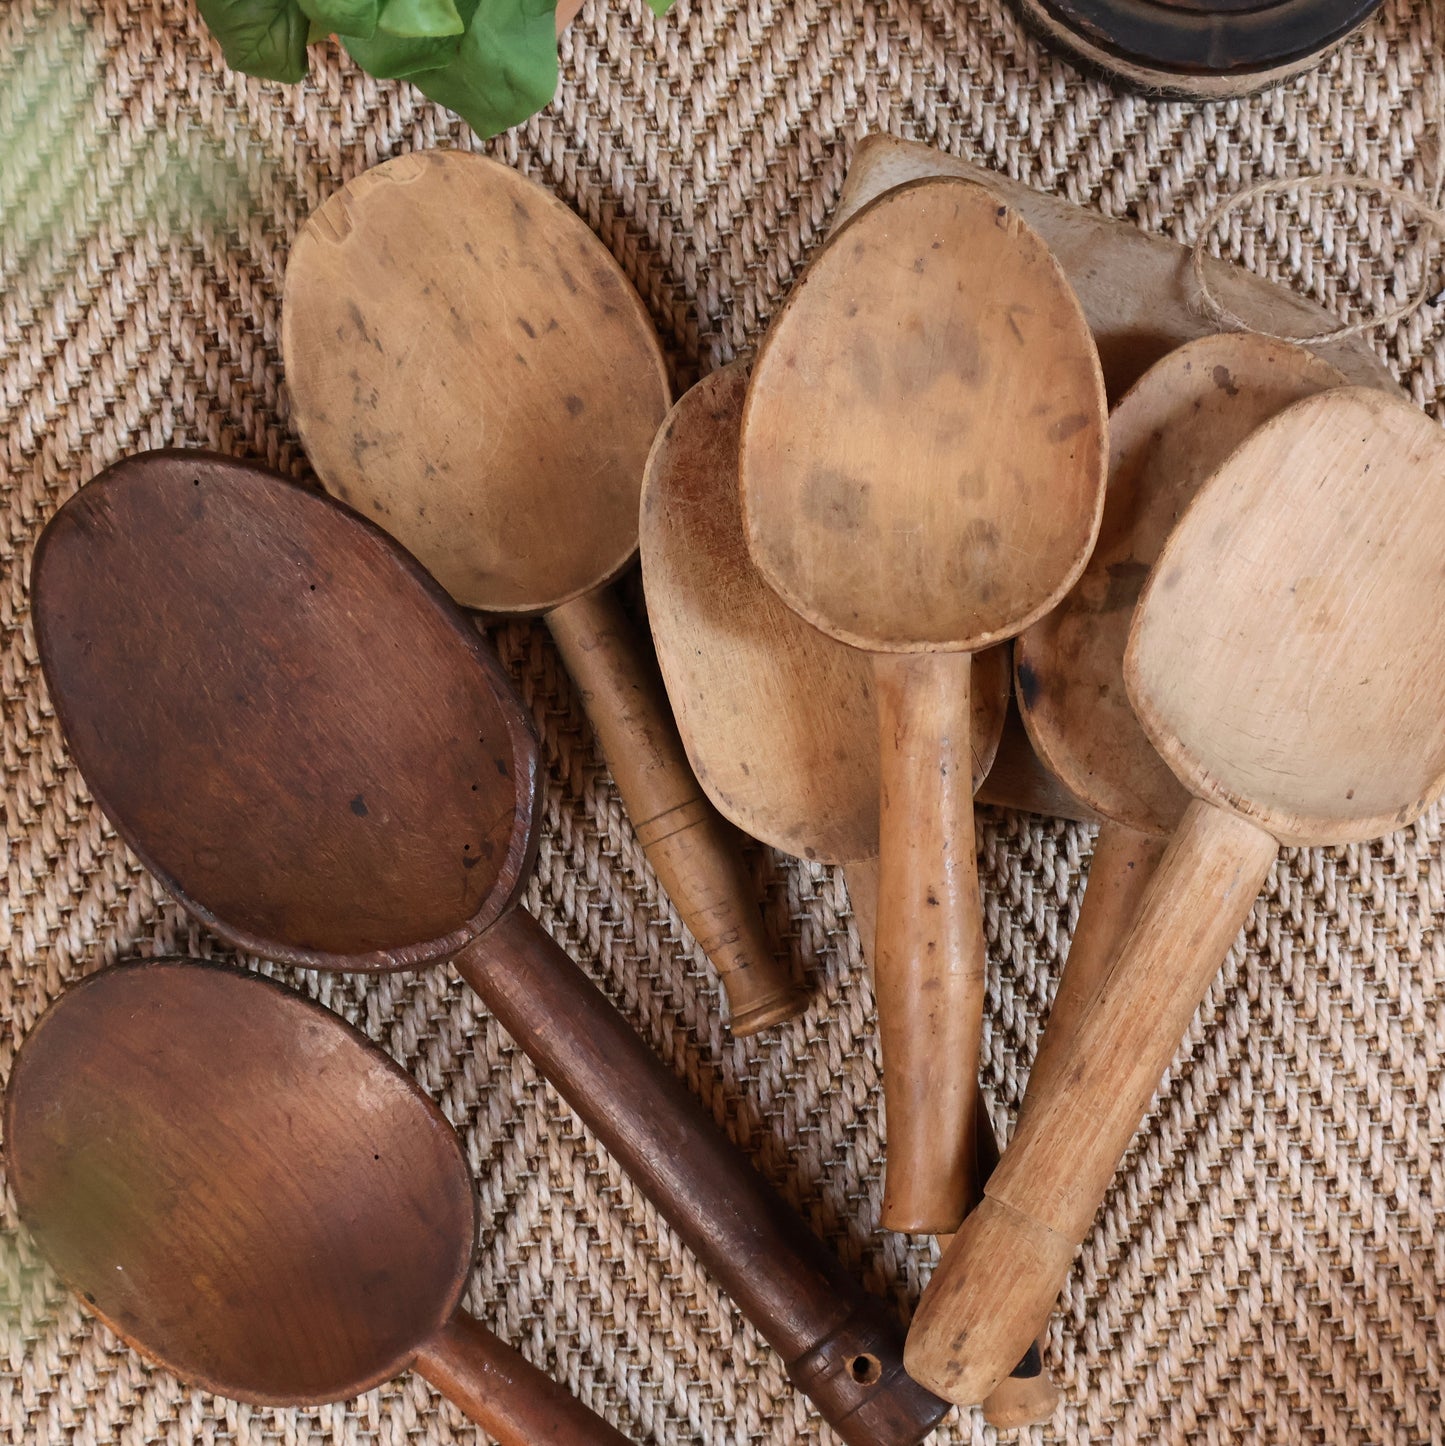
{"x":261,"y":37}
{"x":493,"y":62}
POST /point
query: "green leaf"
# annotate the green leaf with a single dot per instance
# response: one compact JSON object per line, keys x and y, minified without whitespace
{"x":262,"y":37}
{"x":395,"y":57}
{"x":659,"y":7}
{"x":344,"y":17}
{"x":505,"y":68}
{"x":421,"y":18}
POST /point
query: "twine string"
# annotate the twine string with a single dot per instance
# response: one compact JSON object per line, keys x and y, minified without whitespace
{"x":1425,"y":210}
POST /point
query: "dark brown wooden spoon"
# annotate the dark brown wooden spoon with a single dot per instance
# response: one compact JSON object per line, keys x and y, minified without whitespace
{"x":256,"y":1197}
{"x":291,"y":723}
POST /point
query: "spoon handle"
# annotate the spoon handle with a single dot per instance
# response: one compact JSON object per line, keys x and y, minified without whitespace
{"x":1010,"y":1260}
{"x":507,"y":1396}
{"x":1028,"y":1396}
{"x":693,"y":851}
{"x":929,"y":957}
{"x":839,"y":1344}
{"x":1124,"y":862}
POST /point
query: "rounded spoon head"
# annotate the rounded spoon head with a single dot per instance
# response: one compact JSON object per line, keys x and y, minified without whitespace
{"x":778,"y":718}
{"x":1286,"y":656}
{"x":470,"y":368}
{"x":246,"y":1189}
{"x":1167,"y":435}
{"x":923,"y":441}
{"x":283,"y":715}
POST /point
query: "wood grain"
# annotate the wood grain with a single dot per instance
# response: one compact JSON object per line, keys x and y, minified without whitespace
{"x":1305,"y":713}
{"x":922,"y":473}
{"x":470,"y":367}
{"x":255,"y":1196}
{"x":225,"y":553}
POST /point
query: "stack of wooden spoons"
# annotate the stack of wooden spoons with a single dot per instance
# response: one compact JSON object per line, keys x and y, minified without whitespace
{"x":909,"y":519}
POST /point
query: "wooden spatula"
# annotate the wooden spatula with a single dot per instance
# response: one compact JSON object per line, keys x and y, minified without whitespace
{"x":1172,"y":430}
{"x":922,"y":475}
{"x":470,"y":369}
{"x":1286,"y":660}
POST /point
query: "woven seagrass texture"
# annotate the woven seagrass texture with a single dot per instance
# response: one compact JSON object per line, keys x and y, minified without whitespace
{"x":1269,"y":1265}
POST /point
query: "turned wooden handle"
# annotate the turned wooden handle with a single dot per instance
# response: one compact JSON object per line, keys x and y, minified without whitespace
{"x":1124,"y":862}
{"x":1027,"y":1396}
{"x":929,"y":956}
{"x":693,"y":851}
{"x":1007,"y":1264}
{"x":507,"y":1396}
{"x":838,"y":1343}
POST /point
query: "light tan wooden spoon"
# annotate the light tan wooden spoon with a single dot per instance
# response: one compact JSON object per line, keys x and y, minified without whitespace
{"x":922,"y":475}
{"x":471,"y":370}
{"x":1168,"y":434}
{"x":1287,"y":661}
{"x":778,"y":718}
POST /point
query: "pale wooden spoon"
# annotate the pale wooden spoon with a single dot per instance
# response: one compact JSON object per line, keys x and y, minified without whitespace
{"x":777,"y":717}
{"x":1167,"y":435}
{"x":1286,"y":660}
{"x":922,"y":476}
{"x":470,"y":368}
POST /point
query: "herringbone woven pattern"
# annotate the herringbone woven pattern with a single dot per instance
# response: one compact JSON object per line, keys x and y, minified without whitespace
{"x":1269,"y":1266}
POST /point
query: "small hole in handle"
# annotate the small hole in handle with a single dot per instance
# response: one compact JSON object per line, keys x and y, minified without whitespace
{"x":865,"y":1369}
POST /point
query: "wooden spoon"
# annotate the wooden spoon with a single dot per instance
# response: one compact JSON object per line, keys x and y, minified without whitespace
{"x":1286,"y":660}
{"x":778,"y":718}
{"x":1171,"y":431}
{"x":469,"y":367}
{"x":922,"y":476}
{"x":301,"y":735}
{"x":257,"y":1198}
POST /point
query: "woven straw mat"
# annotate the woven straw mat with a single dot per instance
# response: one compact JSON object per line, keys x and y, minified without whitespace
{"x":1268,"y":1266}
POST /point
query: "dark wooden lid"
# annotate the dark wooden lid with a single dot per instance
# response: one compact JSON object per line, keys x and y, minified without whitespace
{"x":242,"y":1185}
{"x":283,"y":714}
{"x":1206,"y":48}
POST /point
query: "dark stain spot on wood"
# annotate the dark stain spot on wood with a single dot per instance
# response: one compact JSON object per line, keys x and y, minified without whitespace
{"x":1349,"y":793}
{"x":527,"y":327}
{"x":919,"y":266}
{"x":836,"y":500}
{"x":1126,"y":579}
{"x":1225,"y":382}
{"x":1067,"y":427}
{"x":358,"y":806}
{"x":981,"y":533}
{"x":932,"y":899}
{"x":569,"y":281}
{"x":469,"y":861}
{"x":502,"y":768}
{"x":574,"y":404}
{"x":1029,"y":689}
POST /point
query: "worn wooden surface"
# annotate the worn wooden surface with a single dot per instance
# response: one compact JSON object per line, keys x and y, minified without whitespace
{"x":318,"y":741}
{"x":469,"y":367}
{"x":778,"y":718}
{"x":1170,"y":432}
{"x":922,"y":472}
{"x":1307,"y":713}
{"x":248,"y":675}
{"x":253,"y":1194}
{"x":1137,"y":290}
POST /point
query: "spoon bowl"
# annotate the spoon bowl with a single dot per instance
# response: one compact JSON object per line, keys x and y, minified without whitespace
{"x":178,"y":1135}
